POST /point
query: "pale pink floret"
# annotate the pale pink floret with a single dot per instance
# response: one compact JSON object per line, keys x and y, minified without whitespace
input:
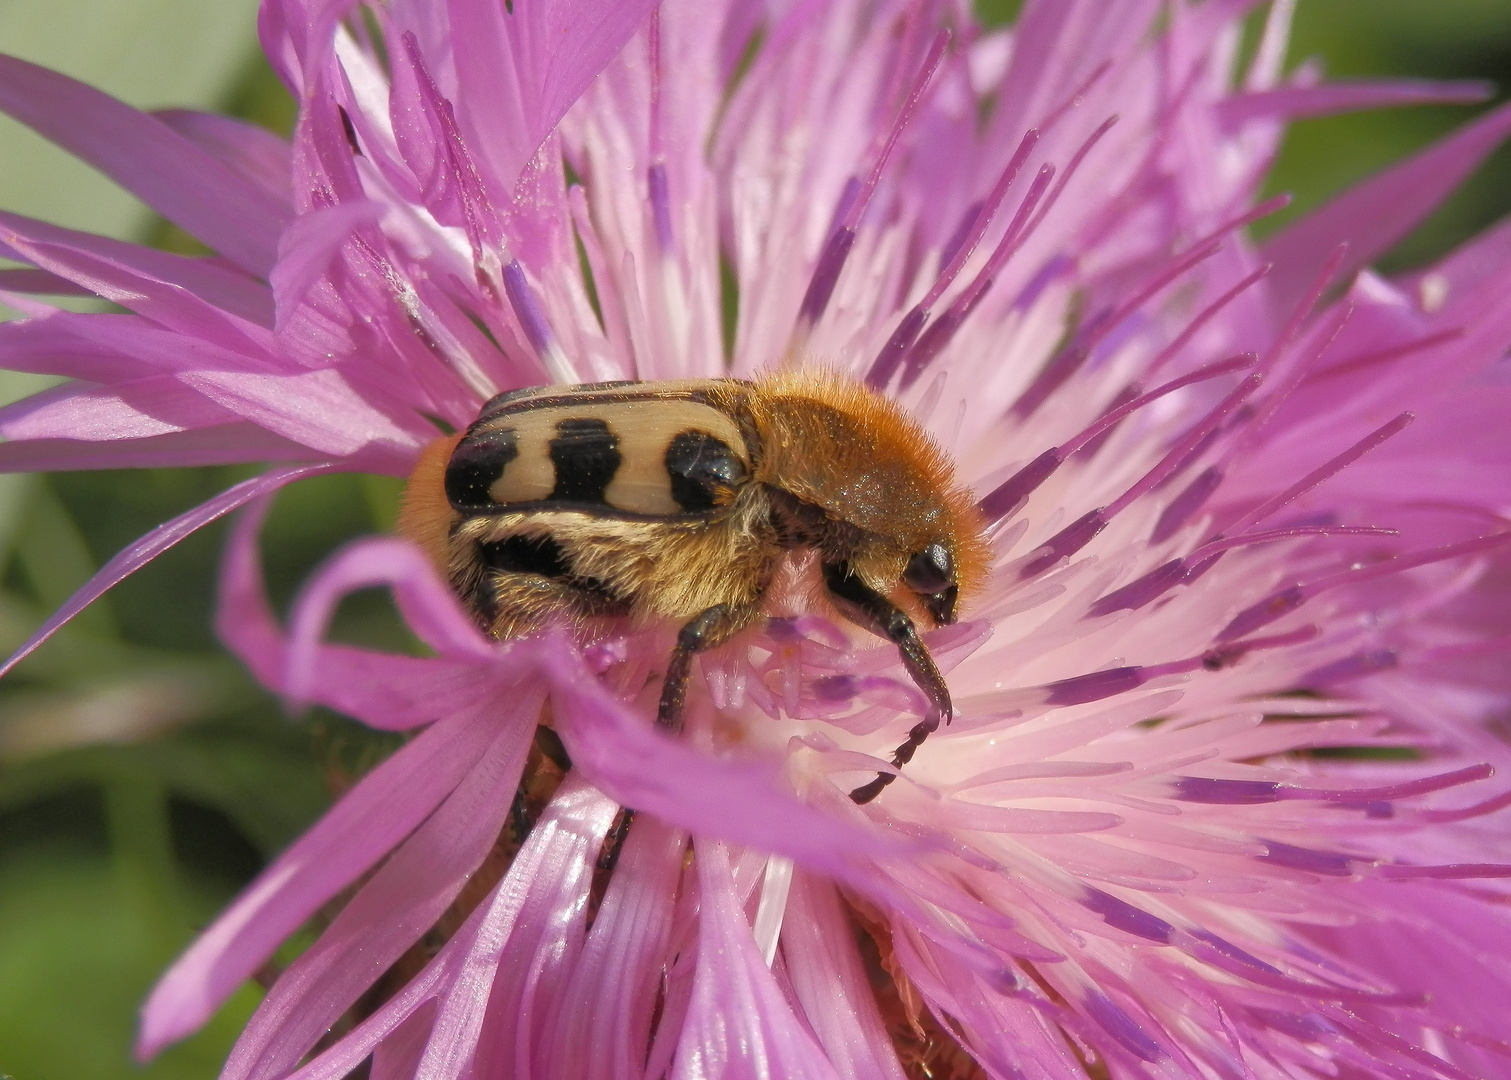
{"x":1216,"y":479}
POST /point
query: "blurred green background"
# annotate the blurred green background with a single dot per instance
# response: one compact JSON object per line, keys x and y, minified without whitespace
{"x":143,"y":777}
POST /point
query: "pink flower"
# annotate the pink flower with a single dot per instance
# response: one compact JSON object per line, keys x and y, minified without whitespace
{"x":1249,"y":511}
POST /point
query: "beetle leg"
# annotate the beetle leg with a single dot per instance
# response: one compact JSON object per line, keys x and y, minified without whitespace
{"x":707,"y":629}
{"x":608,"y":855}
{"x":866,"y":607}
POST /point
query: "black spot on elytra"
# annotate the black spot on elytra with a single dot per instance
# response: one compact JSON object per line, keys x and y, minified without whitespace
{"x":586,"y":456}
{"x":702,"y":469}
{"x":475,"y":464}
{"x":526,"y":555}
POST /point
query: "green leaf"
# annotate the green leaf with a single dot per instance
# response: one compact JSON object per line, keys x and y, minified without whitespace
{"x":76,"y":959}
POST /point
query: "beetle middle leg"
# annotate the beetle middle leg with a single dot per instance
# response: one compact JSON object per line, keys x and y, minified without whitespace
{"x":706,"y":630}
{"x":866,"y":607}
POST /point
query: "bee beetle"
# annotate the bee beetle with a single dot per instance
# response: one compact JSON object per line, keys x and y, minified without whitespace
{"x":677,"y":502}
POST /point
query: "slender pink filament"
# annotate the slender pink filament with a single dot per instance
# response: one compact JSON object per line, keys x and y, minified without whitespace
{"x":904,"y":118}
{"x":1323,"y":472}
{"x":1226,"y":543}
{"x":1206,"y":315}
{"x":1202,"y":374}
{"x":1178,"y":453}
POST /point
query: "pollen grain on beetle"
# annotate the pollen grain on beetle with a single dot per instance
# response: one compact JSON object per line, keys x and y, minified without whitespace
{"x":912,"y":588}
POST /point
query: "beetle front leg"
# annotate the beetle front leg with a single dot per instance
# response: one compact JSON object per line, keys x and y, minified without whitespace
{"x":866,"y":607}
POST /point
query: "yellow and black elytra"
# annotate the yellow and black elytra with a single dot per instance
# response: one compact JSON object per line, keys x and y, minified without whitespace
{"x":677,"y":502}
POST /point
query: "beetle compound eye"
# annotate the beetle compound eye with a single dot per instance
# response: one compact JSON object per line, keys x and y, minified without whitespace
{"x":930,"y":570}
{"x":703,"y":471}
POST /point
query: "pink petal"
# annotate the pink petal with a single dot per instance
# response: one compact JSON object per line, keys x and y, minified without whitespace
{"x":739,"y":1023}
{"x":383,"y":690}
{"x":360,"y":829}
{"x":418,"y":999}
{"x":398,"y":1056}
{"x":53,"y":345}
{"x":320,"y":409}
{"x":1452,"y":389}
{"x":612,"y":745}
{"x":1003,"y":1031}
{"x":323,"y":159}
{"x":1295,"y":102}
{"x":220,"y":444}
{"x":535,"y":964}
{"x":399,"y":903}
{"x":1457,"y":450}
{"x":831,"y":985}
{"x":102,"y":348}
{"x":253,"y":152}
{"x":158,"y":541}
{"x":29,"y":307}
{"x":156,"y":405}
{"x":243,"y":616}
{"x":307,"y":248}
{"x":427,"y":603}
{"x":146,"y":157}
{"x":523,"y":69}
{"x":1461,"y":961}
{"x":1479,"y":262}
{"x":396,"y":693}
{"x":544,"y":875}
{"x":1056,"y":47}
{"x":165,"y":303}
{"x":1371,"y":216}
{"x":619,"y":750}
{"x":604,"y":1013}
{"x":424,"y":127}
{"x":296,"y":33}
{"x":212,"y":280}
{"x":40,"y":282}
{"x":392,"y":693}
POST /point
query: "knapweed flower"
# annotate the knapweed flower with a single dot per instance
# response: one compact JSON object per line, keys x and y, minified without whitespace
{"x":1217,"y":798}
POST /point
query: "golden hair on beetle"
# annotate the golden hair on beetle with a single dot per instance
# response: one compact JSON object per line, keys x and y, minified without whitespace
{"x":679,"y":502}
{"x":858,"y":455}
{"x":424,"y":514}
